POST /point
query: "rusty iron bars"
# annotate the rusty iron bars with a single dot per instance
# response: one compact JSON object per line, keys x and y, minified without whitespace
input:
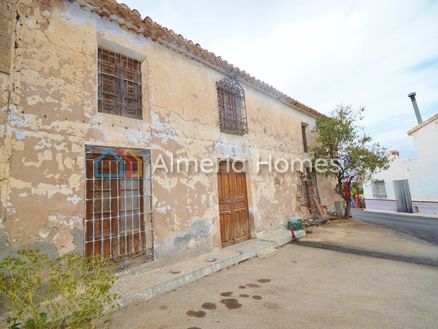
{"x":118,"y":222}
{"x":232,"y":107}
{"x":119,"y":84}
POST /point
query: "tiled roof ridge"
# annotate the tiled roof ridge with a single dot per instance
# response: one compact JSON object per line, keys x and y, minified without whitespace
{"x":130,"y":19}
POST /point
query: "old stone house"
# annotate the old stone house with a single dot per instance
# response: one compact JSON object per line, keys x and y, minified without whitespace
{"x":90,"y":92}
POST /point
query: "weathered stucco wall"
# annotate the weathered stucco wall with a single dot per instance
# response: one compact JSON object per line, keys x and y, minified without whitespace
{"x":7,"y":23}
{"x":53,"y":115}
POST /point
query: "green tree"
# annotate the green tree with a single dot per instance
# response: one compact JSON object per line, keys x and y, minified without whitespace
{"x":352,"y":155}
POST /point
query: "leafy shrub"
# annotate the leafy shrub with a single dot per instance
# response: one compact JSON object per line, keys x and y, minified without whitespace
{"x":69,"y":292}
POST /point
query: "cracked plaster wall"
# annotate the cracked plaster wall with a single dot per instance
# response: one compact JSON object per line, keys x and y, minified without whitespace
{"x":52,"y":114}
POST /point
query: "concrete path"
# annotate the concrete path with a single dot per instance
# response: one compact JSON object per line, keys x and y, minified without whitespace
{"x":144,"y":282}
{"x":420,"y":227}
{"x":300,"y":287}
{"x":357,"y":237}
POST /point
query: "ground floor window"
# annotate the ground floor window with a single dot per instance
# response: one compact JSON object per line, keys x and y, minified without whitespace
{"x":378,"y":188}
{"x":118,"y":222}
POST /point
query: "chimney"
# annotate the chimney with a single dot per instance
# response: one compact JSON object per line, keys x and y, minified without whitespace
{"x":414,"y":104}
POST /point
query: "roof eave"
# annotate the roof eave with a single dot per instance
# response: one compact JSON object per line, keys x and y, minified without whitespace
{"x":423,"y":124}
{"x":130,"y":19}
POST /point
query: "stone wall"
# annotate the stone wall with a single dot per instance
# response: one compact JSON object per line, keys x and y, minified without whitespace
{"x":7,"y":23}
{"x":53,"y":116}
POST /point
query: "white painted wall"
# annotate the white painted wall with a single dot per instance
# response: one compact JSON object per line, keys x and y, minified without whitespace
{"x":425,"y":176}
{"x":398,"y":170}
{"x":421,"y":172}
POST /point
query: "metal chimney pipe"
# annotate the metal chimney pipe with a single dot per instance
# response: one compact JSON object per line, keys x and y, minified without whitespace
{"x":414,"y":104}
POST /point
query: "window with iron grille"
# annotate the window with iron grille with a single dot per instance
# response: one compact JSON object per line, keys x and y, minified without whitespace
{"x":378,"y":188}
{"x":118,"y":221}
{"x":232,"y":111}
{"x":119,"y":84}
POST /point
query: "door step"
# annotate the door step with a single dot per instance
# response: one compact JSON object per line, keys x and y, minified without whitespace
{"x":264,"y":253}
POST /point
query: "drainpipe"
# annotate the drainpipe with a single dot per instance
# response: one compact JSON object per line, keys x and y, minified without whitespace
{"x":414,"y":104}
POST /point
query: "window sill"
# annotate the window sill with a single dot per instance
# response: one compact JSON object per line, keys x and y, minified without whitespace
{"x":231,"y":131}
{"x":116,"y":118}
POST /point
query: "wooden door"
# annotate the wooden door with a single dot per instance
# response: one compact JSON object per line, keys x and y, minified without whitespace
{"x":114,"y":223}
{"x":233,"y":204}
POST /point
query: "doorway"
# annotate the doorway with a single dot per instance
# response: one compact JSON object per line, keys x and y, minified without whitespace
{"x":403,"y":196}
{"x":233,"y":203}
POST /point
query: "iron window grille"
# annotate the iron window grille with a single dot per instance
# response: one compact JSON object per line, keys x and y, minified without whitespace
{"x":119,"y":84}
{"x":118,"y":221}
{"x":378,"y":188}
{"x":232,"y":108}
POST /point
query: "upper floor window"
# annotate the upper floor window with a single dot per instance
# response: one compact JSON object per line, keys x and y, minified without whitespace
{"x":304,"y":134}
{"x":232,"y":111}
{"x":119,"y":84}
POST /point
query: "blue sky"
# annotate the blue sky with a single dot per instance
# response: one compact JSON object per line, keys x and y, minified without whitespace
{"x":324,"y":53}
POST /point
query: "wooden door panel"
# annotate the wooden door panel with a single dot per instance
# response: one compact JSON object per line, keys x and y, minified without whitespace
{"x":237,"y":220}
{"x":241,"y":221}
{"x":225,"y":207}
{"x":239,"y":205}
{"x":226,"y":227}
{"x":233,"y":206}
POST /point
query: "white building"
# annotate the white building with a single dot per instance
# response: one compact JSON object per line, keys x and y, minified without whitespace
{"x":409,"y":185}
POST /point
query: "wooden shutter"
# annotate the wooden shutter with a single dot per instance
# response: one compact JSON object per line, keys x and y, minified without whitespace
{"x":119,"y":85}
